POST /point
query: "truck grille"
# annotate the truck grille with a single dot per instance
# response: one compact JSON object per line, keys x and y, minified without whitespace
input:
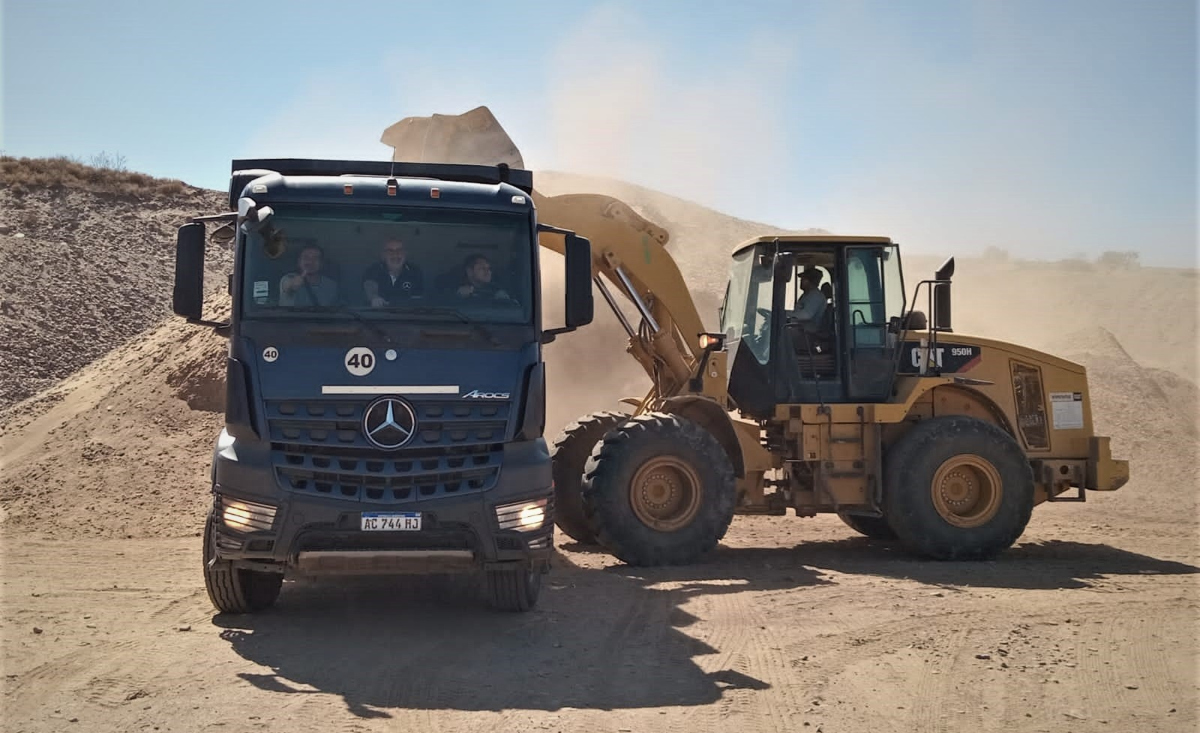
{"x":339,"y":422}
{"x":318,"y":448}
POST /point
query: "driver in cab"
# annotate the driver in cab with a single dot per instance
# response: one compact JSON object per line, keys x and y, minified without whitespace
{"x":393,"y":279}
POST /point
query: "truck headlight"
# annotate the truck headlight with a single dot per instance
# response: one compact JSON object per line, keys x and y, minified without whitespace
{"x":524,"y":516}
{"x":246,"y":516}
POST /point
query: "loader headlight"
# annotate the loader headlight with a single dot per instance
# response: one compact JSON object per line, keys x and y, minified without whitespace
{"x":524,"y":516}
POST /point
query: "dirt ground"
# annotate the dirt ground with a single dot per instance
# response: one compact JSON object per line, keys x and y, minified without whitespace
{"x":792,"y":625}
{"x":1088,"y":624}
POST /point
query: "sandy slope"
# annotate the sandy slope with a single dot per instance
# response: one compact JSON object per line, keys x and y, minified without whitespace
{"x":1089,"y":624}
{"x":81,"y":272}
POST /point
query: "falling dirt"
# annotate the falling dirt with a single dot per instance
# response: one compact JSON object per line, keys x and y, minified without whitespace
{"x":1087,"y":624}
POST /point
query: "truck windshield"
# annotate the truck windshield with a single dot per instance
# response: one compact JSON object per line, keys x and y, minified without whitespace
{"x":415,"y":264}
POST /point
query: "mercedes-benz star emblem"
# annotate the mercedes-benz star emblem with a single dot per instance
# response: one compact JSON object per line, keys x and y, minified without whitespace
{"x":389,"y":422}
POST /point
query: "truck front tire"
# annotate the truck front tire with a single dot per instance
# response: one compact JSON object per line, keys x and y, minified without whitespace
{"x":234,"y":590}
{"x":514,"y":589}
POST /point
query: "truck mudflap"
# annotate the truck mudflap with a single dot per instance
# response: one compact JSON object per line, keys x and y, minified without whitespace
{"x":1104,"y":473}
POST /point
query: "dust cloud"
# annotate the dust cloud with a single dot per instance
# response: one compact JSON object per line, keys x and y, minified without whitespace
{"x":623,"y":112}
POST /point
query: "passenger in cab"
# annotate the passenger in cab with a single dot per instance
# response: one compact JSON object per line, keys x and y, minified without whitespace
{"x":477,"y":280}
{"x":307,"y":286}
{"x":393,"y":279}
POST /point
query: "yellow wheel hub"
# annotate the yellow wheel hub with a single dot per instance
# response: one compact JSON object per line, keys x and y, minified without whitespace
{"x":966,"y":491}
{"x":665,"y":493}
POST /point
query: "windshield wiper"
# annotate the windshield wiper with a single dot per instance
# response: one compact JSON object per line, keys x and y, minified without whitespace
{"x":338,"y":309}
{"x":425,"y":310}
{"x":372,"y":327}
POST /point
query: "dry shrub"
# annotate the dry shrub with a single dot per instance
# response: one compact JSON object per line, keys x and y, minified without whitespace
{"x":22,"y":175}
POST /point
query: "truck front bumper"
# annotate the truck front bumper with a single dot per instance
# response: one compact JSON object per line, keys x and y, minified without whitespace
{"x":315,"y":537}
{"x":261,"y":525}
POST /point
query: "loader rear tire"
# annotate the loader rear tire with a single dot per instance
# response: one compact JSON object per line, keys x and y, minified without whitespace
{"x":658,"y":490}
{"x":957,"y":488}
{"x":876,"y":528}
{"x":569,"y":455}
{"x":234,"y":590}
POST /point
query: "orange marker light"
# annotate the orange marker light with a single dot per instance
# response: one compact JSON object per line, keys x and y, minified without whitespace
{"x":435,"y":193}
{"x":391,"y":189}
{"x":348,"y":189}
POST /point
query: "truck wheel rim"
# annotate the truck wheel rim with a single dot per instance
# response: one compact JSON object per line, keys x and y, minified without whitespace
{"x":966,"y":491}
{"x":665,"y":494}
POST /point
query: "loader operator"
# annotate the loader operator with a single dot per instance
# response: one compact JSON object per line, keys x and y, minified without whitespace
{"x":810,"y":307}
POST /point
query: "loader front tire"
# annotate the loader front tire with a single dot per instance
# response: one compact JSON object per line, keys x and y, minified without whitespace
{"x":234,"y":590}
{"x":569,"y":455}
{"x":658,"y":490}
{"x":957,"y":488}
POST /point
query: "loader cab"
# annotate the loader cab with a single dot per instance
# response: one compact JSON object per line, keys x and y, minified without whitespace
{"x":812,"y":320}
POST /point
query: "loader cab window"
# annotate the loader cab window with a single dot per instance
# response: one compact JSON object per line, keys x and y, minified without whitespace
{"x":747,"y":324}
{"x":874,"y":296}
{"x":746,"y":313}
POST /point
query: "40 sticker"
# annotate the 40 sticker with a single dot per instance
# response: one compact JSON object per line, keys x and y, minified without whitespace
{"x":360,"y":361}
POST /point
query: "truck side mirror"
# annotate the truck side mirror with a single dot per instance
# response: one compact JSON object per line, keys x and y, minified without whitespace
{"x":579,"y":310}
{"x":188,"y":296}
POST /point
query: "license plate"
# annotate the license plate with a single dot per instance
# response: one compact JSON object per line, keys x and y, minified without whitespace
{"x":391,"y":521}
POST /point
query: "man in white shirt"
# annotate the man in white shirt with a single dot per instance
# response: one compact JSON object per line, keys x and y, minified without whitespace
{"x":810,"y":308}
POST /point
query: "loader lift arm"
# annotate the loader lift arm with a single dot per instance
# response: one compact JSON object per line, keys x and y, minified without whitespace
{"x":630,"y":256}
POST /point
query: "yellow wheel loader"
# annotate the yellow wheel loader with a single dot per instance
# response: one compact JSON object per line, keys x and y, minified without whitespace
{"x":825,"y":390}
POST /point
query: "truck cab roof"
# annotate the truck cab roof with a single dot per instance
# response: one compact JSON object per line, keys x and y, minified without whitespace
{"x":314,"y":179}
{"x":798,"y":241}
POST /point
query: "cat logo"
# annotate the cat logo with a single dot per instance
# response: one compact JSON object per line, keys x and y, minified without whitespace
{"x":477,"y":395}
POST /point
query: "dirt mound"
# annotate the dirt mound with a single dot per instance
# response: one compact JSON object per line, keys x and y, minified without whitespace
{"x":1146,"y":406}
{"x":114,"y":451}
{"x":1095,"y":342}
{"x":87,"y":259}
{"x":1150,"y":312}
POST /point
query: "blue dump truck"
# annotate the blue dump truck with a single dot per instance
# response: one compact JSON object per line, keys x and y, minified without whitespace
{"x":385,"y":388}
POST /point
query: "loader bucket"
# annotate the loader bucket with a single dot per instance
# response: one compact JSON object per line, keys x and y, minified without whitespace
{"x":474,"y":137}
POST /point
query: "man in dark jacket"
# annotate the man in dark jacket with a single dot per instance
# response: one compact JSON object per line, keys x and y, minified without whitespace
{"x":392,"y":280}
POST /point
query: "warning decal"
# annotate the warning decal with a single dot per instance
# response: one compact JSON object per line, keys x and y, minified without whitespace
{"x":1066,"y":410}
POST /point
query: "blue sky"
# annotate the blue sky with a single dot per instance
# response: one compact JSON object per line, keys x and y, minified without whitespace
{"x":1050,"y":129}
